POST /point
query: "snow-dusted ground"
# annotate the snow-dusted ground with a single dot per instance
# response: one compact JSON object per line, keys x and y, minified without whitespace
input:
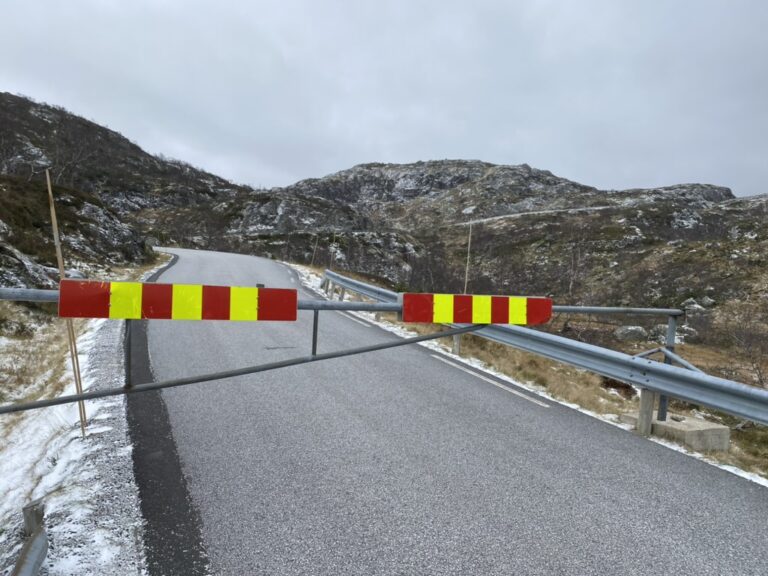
{"x":311,"y":280}
{"x":92,"y":512}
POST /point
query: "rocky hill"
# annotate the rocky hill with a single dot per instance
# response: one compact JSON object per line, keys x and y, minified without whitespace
{"x":532,"y":232}
{"x":109,"y":193}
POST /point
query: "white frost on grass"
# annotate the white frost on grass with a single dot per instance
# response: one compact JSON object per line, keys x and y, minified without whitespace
{"x":310,"y":279}
{"x":92,"y":510}
{"x":92,"y":513}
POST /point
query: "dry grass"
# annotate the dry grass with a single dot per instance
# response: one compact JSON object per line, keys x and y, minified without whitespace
{"x":31,"y":365}
{"x":34,"y":357}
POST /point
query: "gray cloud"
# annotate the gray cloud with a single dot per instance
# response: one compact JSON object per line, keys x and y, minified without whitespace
{"x":612,"y":94}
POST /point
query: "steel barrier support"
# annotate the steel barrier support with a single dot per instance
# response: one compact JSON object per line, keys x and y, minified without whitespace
{"x":456,"y":349}
{"x":645,"y":414}
{"x":36,"y":547}
{"x":315,"y":322}
{"x":670,"y":345}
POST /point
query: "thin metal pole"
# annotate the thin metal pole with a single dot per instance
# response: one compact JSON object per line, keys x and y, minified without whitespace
{"x":466,"y":268}
{"x":315,"y":321}
{"x":670,"y":345}
{"x":94,"y":394}
{"x":71,"y":336}
{"x":128,"y":325}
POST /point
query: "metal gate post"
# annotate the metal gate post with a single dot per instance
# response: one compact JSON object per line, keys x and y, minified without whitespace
{"x":315,"y":321}
{"x":670,"y":345}
{"x":128,"y":325}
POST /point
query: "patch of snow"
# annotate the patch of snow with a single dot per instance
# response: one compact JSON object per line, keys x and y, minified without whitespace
{"x":469,"y":210}
{"x":756,"y":478}
{"x":86,"y":484}
{"x":92,"y":510}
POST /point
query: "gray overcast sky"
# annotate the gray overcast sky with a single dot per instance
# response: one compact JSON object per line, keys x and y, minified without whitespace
{"x":614,"y":94}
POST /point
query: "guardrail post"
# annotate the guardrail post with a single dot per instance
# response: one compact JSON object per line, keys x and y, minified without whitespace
{"x":670,"y":345}
{"x":342,"y":293}
{"x":456,"y":348}
{"x":36,"y":547}
{"x":645,"y":414}
{"x":33,"y":516}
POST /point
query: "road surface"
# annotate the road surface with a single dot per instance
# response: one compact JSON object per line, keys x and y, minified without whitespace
{"x":398,"y":462}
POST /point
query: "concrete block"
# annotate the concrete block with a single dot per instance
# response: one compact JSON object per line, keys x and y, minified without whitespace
{"x":694,"y":433}
{"x":697,"y":434}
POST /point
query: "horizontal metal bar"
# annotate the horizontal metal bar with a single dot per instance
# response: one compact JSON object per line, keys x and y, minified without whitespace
{"x":95,"y":394}
{"x":29,"y":295}
{"x":387,"y":296}
{"x":682,"y":361}
{"x":354,"y":306}
{"x":600,"y":310}
{"x":647,"y":353}
{"x":369,"y":290}
{"x":34,"y":295}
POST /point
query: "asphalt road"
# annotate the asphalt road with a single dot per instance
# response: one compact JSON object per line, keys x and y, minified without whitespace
{"x":396,"y":462}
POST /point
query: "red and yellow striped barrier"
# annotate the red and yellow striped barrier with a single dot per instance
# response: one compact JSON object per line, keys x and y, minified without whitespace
{"x":135,"y":300}
{"x":471,"y":309}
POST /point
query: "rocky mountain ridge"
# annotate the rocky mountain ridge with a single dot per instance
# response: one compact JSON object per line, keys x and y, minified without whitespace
{"x":532,"y":232}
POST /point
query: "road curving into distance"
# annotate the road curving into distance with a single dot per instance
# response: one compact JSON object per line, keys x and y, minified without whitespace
{"x":402,"y":462}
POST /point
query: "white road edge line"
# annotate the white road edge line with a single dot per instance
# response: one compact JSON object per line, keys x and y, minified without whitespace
{"x":356,"y":320}
{"x":497,"y":384}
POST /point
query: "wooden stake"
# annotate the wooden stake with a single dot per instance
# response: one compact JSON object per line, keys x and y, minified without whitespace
{"x":70,"y":326}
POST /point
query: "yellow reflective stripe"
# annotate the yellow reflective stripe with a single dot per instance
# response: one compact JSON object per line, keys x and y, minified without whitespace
{"x":187,"y":302}
{"x":443,"y":308}
{"x":243,"y":303}
{"x":518,"y":310}
{"x":125,"y":300}
{"x":481,"y":310}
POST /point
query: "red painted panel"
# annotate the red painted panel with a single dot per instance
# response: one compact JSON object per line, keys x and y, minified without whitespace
{"x":156,"y":301}
{"x":83,"y":299}
{"x":215,"y":303}
{"x":462,"y":309}
{"x":500,"y":310}
{"x":418,"y":308}
{"x":278,"y":304}
{"x":539,"y":310}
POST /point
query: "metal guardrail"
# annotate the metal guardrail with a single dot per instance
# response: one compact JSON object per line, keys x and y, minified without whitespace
{"x":374,"y":292}
{"x":684,"y":383}
{"x":36,"y":547}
